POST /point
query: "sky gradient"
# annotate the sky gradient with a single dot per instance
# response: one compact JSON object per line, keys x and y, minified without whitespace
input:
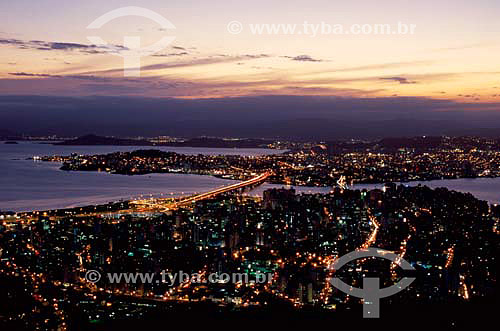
{"x":453,"y":53}
{"x":449,"y":64}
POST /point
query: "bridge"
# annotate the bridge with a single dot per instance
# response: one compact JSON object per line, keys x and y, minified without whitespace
{"x":145,"y":206}
{"x":165,"y":205}
{"x":207,"y":195}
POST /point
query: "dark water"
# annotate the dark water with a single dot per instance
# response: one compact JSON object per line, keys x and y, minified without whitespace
{"x":487,"y":189}
{"x":30,"y":185}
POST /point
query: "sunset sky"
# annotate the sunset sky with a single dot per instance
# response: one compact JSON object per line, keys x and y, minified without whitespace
{"x":454,"y":53}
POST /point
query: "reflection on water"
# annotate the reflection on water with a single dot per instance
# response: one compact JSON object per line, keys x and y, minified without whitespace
{"x":487,"y":189}
{"x":29,"y":185}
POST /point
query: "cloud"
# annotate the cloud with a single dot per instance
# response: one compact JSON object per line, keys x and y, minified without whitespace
{"x":26,"y":74}
{"x":178,"y":51}
{"x":254,"y":56}
{"x":85,"y":84}
{"x":293,"y":116}
{"x":11,"y":41}
{"x":171,"y":54}
{"x":175,"y":85}
{"x":400,"y":80}
{"x":61,"y":46}
{"x":222,"y":58}
{"x":320,"y":91}
{"x":153,"y":86}
{"x":303,"y":58}
{"x":83,"y":77}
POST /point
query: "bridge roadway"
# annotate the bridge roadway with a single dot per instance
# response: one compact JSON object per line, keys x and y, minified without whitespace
{"x":143,"y":206}
{"x":210,"y":194}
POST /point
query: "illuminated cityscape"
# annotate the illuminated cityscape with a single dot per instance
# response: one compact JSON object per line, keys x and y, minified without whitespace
{"x":417,"y":159}
{"x":275,"y":251}
{"x":192,"y":165}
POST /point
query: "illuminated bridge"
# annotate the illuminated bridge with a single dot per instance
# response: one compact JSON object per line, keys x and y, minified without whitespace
{"x":168,"y":205}
{"x":140,"y":207}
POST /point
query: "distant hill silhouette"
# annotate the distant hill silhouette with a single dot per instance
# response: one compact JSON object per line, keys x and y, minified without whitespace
{"x":414,"y":142}
{"x":223,"y":143}
{"x":92,"y":139}
{"x":271,"y":117}
{"x":9,"y":135}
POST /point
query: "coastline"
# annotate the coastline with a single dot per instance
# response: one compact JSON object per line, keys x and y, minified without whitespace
{"x":258,"y":190}
{"x":42,"y":186}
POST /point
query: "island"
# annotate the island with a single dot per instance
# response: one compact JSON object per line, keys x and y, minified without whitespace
{"x":209,"y":142}
{"x":376,"y":162}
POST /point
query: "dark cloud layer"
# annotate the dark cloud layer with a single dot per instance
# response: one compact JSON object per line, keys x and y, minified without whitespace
{"x":60,"y":46}
{"x":400,"y":80}
{"x":297,"y":117}
{"x":84,"y":77}
{"x":222,"y":58}
{"x":303,"y":58}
